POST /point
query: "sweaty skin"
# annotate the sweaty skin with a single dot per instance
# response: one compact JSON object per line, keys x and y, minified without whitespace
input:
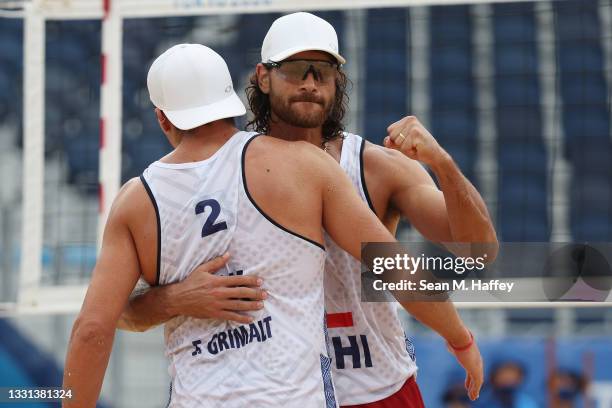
{"x":278,"y":173}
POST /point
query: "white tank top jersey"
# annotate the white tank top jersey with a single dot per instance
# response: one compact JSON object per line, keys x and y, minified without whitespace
{"x":204,"y":209}
{"x":371,"y":355}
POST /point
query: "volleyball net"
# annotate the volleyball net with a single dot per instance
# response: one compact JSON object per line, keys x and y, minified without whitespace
{"x":518,"y":93}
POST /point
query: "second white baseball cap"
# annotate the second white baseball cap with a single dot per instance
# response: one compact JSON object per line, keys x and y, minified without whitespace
{"x":299,"y":32}
{"x":192,"y":85}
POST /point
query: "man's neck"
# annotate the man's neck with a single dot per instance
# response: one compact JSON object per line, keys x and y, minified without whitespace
{"x":202,"y":143}
{"x":285,"y":131}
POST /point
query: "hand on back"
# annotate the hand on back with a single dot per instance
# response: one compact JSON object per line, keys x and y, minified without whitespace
{"x":205,"y":295}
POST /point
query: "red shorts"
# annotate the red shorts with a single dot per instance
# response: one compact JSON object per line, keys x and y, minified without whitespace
{"x":408,"y":396}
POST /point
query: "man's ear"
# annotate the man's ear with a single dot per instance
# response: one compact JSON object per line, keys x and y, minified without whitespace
{"x":163,"y":121}
{"x":166,"y":126}
{"x":263,"y":78}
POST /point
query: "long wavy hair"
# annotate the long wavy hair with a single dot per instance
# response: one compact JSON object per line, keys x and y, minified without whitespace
{"x":259,"y":103}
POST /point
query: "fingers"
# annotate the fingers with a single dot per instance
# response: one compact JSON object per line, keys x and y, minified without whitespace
{"x":470,"y":386}
{"x":387,"y":142}
{"x":473,"y":390}
{"x":233,"y":316}
{"x":473,"y":383}
{"x":214,"y":264}
{"x":397,"y":138}
{"x":404,"y":127}
{"x":243,"y":293}
{"x":392,"y":126}
{"x":241,"y":305}
{"x":240,"y":280}
{"x":477,"y":385}
{"x":471,"y":361}
{"x":401,"y":123}
{"x":405,"y":139}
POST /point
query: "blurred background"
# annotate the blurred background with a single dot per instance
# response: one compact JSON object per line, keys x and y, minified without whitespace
{"x":517,"y":92}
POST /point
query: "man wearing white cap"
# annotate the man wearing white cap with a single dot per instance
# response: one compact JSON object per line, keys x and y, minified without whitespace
{"x":223,"y":190}
{"x":298,"y":92}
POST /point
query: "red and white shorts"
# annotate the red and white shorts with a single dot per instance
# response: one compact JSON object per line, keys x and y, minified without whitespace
{"x":408,"y":396}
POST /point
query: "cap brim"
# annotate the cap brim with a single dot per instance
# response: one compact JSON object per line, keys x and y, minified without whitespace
{"x":287,"y":53}
{"x":187,"y":119}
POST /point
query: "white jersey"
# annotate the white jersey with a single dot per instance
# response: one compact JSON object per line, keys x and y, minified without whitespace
{"x":371,"y":356}
{"x":204,"y":209}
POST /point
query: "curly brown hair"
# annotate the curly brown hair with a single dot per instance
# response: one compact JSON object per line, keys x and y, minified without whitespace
{"x":259,"y":104}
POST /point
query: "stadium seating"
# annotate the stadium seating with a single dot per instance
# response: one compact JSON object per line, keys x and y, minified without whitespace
{"x":11,"y":63}
{"x":387,"y":89}
{"x":73,"y":82}
{"x":522,"y":160}
{"x":72,"y":93}
{"x":586,"y":118}
{"x":452,"y":89}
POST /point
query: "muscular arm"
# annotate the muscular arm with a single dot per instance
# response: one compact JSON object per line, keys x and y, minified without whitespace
{"x":441,"y":317}
{"x":200,"y":295}
{"x":147,"y":307}
{"x":350,"y":222}
{"x":114,"y":276}
{"x":468,"y":216}
{"x":458,"y":213}
{"x":455,"y":213}
{"x":429,"y":211}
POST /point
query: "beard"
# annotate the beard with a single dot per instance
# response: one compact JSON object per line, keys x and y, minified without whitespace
{"x":283,"y":108}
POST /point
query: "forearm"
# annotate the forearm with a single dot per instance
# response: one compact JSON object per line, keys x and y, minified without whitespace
{"x":468,"y":216}
{"x":148,"y":309}
{"x":441,"y":317}
{"x":88,"y":355}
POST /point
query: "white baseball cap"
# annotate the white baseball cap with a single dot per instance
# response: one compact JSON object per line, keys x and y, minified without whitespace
{"x":192,"y":85}
{"x":299,"y":32}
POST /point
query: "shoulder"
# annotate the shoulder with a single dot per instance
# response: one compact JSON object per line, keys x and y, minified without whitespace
{"x":132,"y":199}
{"x":132,"y":189}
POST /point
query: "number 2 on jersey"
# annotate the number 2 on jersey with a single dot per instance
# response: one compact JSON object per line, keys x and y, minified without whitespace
{"x":210,"y":227}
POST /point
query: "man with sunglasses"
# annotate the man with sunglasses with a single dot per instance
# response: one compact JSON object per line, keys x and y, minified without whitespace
{"x":298,"y":92}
